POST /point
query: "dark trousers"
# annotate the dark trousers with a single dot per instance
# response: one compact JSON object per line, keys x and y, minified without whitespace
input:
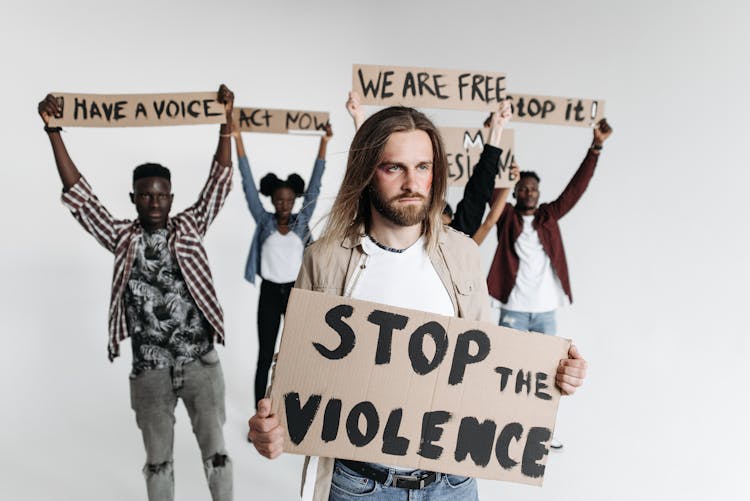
{"x":271,"y":306}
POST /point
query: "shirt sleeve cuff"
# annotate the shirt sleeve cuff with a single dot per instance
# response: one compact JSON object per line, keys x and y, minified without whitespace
{"x":217,"y":165}
{"x":492,"y":153}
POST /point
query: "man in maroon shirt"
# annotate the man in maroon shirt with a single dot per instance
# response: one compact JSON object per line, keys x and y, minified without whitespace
{"x":529,"y":274}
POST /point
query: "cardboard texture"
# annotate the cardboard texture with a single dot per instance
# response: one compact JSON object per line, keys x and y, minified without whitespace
{"x":463,"y":147}
{"x":428,"y":87}
{"x":280,"y":121}
{"x":404,"y":405}
{"x":138,"y":110}
{"x":556,"y":110}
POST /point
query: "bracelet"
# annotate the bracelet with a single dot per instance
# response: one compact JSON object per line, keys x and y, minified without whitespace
{"x":596,"y":147}
{"x":225,"y":135}
{"x":49,"y":129}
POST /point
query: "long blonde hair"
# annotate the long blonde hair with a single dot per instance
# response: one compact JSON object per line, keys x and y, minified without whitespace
{"x":350,"y":214}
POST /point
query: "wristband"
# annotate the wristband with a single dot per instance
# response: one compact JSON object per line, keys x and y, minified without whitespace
{"x":596,"y":147}
{"x":49,"y":129}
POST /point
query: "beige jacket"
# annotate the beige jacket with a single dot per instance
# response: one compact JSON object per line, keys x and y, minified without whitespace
{"x":335,"y":271}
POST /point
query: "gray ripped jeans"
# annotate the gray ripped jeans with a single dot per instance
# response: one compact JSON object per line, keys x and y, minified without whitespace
{"x":153,"y":397}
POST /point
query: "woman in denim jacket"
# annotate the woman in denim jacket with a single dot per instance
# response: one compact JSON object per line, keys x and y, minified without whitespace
{"x":278,"y":243}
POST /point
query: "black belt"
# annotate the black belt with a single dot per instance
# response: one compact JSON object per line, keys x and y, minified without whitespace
{"x":380,"y":476}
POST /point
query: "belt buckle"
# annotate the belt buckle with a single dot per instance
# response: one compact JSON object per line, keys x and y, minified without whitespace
{"x":412,"y":481}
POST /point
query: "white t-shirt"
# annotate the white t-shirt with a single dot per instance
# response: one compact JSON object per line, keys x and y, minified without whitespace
{"x":281,"y":257}
{"x":537,"y":288}
{"x":404,"y":279}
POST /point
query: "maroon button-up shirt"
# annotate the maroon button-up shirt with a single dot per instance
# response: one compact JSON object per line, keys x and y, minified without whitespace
{"x":504,"y":269}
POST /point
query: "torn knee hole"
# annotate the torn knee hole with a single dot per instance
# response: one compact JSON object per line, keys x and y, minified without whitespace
{"x":158,"y":468}
{"x":219,"y":459}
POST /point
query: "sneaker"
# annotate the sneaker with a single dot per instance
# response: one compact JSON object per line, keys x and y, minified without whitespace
{"x":555,"y":444}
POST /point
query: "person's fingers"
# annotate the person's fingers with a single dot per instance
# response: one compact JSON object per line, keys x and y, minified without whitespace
{"x":264,"y":408}
{"x":264,"y":425}
{"x":574,"y":353}
{"x":271,"y":451}
{"x":266,"y":438}
{"x":565,"y":379}
{"x":574,"y":371}
{"x":48,"y":105}
{"x":566,"y":389}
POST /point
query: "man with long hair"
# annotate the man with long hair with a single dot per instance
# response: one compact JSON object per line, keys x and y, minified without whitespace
{"x":385,"y":242}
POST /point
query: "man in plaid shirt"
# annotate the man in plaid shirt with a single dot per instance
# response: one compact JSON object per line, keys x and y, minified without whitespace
{"x":163,"y":298}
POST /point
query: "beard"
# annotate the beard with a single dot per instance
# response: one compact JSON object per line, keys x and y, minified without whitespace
{"x":408,"y":215}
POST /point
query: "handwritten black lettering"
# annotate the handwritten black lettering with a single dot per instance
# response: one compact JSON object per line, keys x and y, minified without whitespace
{"x":372,"y":423}
{"x":334,"y":319}
{"x":476,"y":439}
{"x":461,"y":356}
{"x":419,"y":361}
{"x":298,"y":417}
{"x":387,"y":322}
{"x":431,"y":432}
{"x":393,"y":443}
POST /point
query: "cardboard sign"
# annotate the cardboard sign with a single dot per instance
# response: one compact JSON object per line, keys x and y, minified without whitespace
{"x":138,"y":110}
{"x":362,"y":381}
{"x":463,"y":147}
{"x":556,"y":110}
{"x":428,"y":87}
{"x":280,"y":121}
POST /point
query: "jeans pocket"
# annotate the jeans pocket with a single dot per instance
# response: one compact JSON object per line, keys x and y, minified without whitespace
{"x":350,"y":483}
{"x":458,"y":481}
{"x":209,"y":359}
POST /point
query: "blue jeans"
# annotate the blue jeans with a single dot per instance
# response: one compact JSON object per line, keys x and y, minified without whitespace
{"x":348,"y":485}
{"x":524,"y":321}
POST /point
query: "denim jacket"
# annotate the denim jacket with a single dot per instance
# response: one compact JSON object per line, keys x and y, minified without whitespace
{"x":265,"y":221}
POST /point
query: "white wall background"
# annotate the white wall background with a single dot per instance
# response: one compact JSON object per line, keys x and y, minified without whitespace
{"x":657,"y":247}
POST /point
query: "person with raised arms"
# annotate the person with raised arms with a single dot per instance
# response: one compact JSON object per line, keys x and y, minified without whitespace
{"x":278,"y":243}
{"x":385,"y":242}
{"x":529,"y":273}
{"x":163,"y":298}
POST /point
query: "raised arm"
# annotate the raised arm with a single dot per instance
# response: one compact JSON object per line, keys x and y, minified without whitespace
{"x":496,"y":209}
{"x":580,"y":180}
{"x":313,"y":188}
{"x":248,"y":183}
{"x":497,"y":122}
{"x":67,"y":170}
{"x":481,"y":183}
{"x":219,"y":182}
{"x":77,"y":194}
{"x":324,"y":142}
{"x":355,"y":109}
{"x":224,"y":148}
